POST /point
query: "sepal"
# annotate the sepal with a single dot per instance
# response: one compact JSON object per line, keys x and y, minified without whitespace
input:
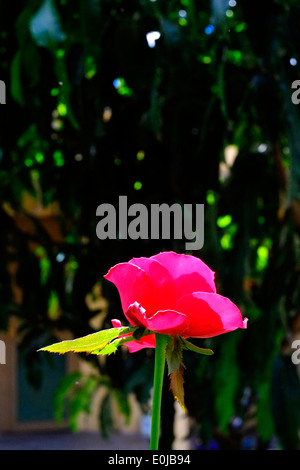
{"x":176,"y":368}
{"x":187,"y":345}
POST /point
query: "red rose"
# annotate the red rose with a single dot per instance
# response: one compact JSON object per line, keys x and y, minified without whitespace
{"x":172,"y":294}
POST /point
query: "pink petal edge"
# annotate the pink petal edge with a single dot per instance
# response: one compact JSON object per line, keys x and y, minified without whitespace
{"x":188,"y":271}
{"x":210,"y":315}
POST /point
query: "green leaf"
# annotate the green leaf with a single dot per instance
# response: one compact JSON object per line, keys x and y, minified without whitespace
{"x":81,"y":400}
{"x":175,"y":367}
{"x":112,"y":347}
{"x":123,"y":404}
{"x":176,"y":386}
{"x":105,"y":416}
{"x":196,"y":349}
{"x":90,"y":343}
{"x":174,"y":354}
{"x":65,"y":387}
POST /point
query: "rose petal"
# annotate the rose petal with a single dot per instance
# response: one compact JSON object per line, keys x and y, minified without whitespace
{"x":116,"y":323}
{"x":168,"y":322}
{"x":145,"y":342}
{"x":189,"y":273}
{"x":133,"y":285}
{"x":136,"y":314}
{"x":209,"y":315}
{"x":162,"y":281}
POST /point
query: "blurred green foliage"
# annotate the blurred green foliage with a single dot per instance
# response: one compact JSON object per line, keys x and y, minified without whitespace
{"x":201,"y":114}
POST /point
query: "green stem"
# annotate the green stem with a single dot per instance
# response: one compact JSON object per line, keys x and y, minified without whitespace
{"x":159,"y":367}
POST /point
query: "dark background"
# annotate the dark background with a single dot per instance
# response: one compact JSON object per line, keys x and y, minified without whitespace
{"x":218,"y":76}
